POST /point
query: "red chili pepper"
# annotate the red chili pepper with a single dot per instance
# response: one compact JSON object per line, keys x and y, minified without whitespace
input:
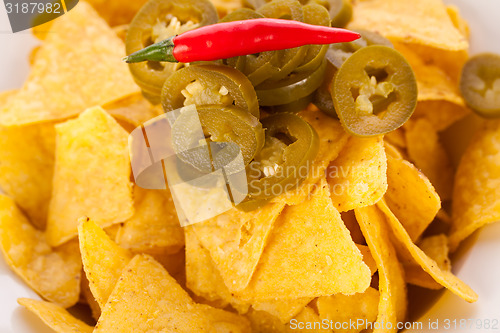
{"x":237,"y":38}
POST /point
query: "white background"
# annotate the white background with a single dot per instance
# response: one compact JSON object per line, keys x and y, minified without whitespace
{"x":479,"y":267}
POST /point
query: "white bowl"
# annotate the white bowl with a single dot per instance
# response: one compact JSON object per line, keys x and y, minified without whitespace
{"x":478,"y":266}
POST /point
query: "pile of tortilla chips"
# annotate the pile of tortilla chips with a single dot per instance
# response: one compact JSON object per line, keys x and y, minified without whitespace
{"x":368,"y":221}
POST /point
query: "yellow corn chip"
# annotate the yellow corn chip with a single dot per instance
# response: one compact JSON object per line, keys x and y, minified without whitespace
{"x":345,"y":309}
{"x":476,"y":195}
{"x":264,"y":322}
{"x":103,"y":260}
{"x":392,"y":305}
{"x":56,"y":317}
{"x":332,"y":139}
{"x":92,"y":175}
{"x":310,"y":253}
{"x":427,"y":153}
{"x":154,"y":225}
{"x":53,"y":273}
{"x":78,"y":66}
{"x":147,"y":299}
{"x":26,"y":165}
{"x":458,"y":21}
{"x":392,"y":151}
{"x":133,"y":109}
{"x":436,"y":248}
{"x":89,"y":298}
{"x":421,"y":22}
{"x":411,"y":196}
{"x":203,"y":278}
{"x":358,"y":177}
{"x":406,"y":248}
{"x":353,"y":226}
{"x":235,"y":240}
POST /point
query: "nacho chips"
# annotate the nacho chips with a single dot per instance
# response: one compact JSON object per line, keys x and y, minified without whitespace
{"x":52,"y":273}
{"x":101,"y":190}
{"x":78,"y":66}
{"x":55,"y":317}
{"x":476,"y":196}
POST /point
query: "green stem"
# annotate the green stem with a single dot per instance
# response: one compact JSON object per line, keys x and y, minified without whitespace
{"x":161,"y":51}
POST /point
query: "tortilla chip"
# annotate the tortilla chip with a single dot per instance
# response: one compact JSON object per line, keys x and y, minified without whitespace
{"x":154,"y":225}
{"x":264,"y":322}
{"x":343,"y":309}
{"x":440,"y":113}
{"x":203,"y":278}
{"x":146,"y":299}
{"x":476,"y":195}
{"x":358,"y":177}
{"x":235,"y":240}
{"x":56,"y":317}
{"x":458,"y":21}
{"x":407,"y":249}
{"x":310,"y":253}
{"x":332,"y":139}
{"x":78,"y":66}
{"x":411,"y":196}
{"x":101,"y":189}
{"x":52,"y":273}
{"x":436,"y":248}
{"x":428,"y":154}
{"x":103,"y":260}
{"x":392,"y":307}
{"x":421,"y":22}
{"x":392,"y":151}
{"x":26,"y":166}
{"x":89,"y":298}
{"x":133,"y":109}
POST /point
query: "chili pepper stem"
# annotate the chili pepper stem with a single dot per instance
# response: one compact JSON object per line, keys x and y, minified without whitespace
{"x":161,"y":51}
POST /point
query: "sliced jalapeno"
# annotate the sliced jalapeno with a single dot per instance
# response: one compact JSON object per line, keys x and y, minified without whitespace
{"x":158,"y":20}
{"x":291,"y":89}
{"x":220,"y":124}
{"x":480,"y":84}
{"x":284,"y":161}
{"x":209,"y":84}
{"x":375,"y":91}
{"x":340,"y":11}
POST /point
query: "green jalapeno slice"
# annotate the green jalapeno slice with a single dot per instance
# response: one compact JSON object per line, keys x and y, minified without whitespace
{"x":480,"y":84}
{"x":158,"y":20}
{"x":375,"y":91}
{"x":209,"y":84}
{"x":294,"y":87}
{"x":220,"y":124}
{"x":340,"y":11}
{"x":284,"y":161}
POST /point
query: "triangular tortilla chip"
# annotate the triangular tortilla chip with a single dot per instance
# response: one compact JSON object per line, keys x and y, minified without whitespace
{"x":103,"y":260}
{"x":476,"y":195}
{"x":235,"y":240}
{"x":392,"y":307}
{"x":53,"y":273}
{"x":421,"y":22}
{"x":78,"y":66}
{"x":56,"y":317}
{"x":310,"y":253}
{"x":147,"y":299}
{"x":407,"y":249}
{"x":92,"y":175}
{"x":358,"y":177}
